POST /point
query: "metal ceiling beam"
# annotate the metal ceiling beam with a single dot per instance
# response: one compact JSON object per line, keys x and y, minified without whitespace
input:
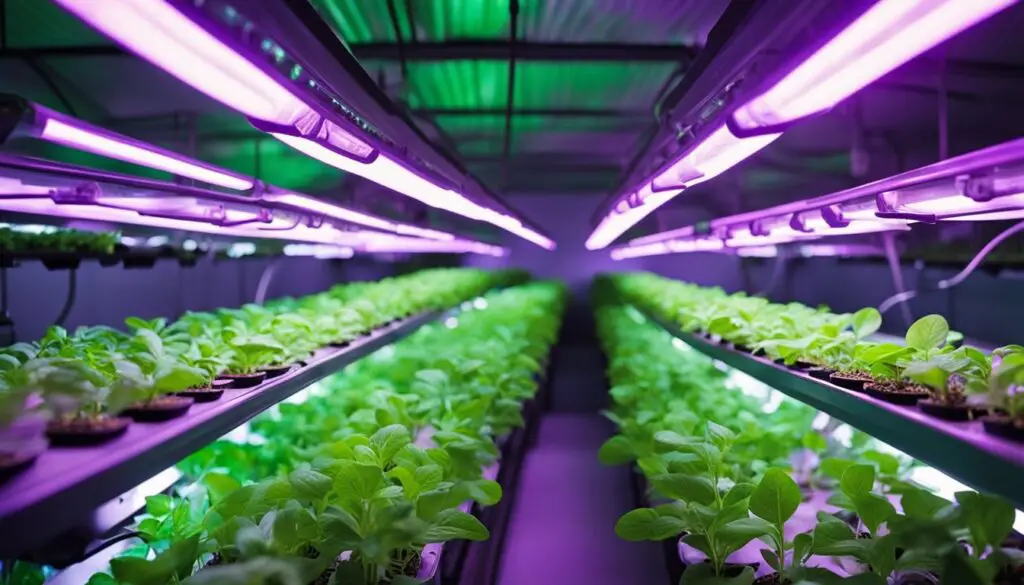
{"x":547,"y":112}
{"x":500,"y":50}
{"x":559,"y":160}
{"x":452,"y":50}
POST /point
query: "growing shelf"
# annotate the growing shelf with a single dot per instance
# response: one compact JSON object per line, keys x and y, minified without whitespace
{"x":64,"y":487}
{"x":961,"y":449}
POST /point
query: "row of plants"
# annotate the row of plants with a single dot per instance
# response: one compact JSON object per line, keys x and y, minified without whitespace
{"x":87,"y":387}
{"x":52,"y":240}
{"x":930,"y":369}
{"x":356,"y":483}
{"x":851,"y":518}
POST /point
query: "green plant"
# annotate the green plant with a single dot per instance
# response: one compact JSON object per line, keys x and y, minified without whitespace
{"x":931,"y":361}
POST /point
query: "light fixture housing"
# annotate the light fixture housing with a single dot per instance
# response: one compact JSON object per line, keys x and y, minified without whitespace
{"x":719,"y":151}
{"x":887,"y":35}
{"x":31,"y":120}
{"x":46,"y":188}
{"x":167,"y":34}
{"x":984,"y":185}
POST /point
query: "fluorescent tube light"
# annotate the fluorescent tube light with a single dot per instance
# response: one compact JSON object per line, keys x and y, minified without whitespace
{"x":161,"y":34}
{"x":624,"y":217}
{"x":385,"y":243}
{"x":668,"y":247}
{"x":718,"y":153}
{"x":713,"y":156}
{"x":67,"y":131}
{"x":888,"y":35}
{"x":387,"y":172}
{"x":319,"y":251}
{"x":340,"y":213}
{"x":278,"y":228}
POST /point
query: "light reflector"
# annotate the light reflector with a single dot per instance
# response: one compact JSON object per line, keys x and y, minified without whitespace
{"x":888,"y":35}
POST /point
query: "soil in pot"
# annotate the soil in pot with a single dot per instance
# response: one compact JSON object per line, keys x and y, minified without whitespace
{"x":345,"y":343}
{"x":946,"y":411}
{"x":771,"y":579}
{"x":822,"y":374}
{"x":1005,"y":427}
{"x":276,"y":370}
{"x":160,"y":408}
{"x":851,"y":380}
{"x":204,"y":394}
{"x":896,"y":393}
{"x":801,"y":365}
{"x":733,"y":570}
{"x":245,"y":380}
{"x":13,"y":463}
{"x":82,"y":431}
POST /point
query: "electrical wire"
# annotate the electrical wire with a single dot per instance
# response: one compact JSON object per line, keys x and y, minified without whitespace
{"x":958,"y":277}
{"x":265,"y":279}
{"x":69,"y":302}
{"x":778,"y":270}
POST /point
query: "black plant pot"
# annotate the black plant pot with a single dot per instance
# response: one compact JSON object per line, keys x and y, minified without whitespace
{"x":162,"y":409}
{"x":86,"y":432}
{"x":1003,"y":427}
{"x":245,"y":380}
{"x":208,"y":394}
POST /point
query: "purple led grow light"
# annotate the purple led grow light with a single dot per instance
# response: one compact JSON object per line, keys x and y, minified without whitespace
{"x":714,"y":155}
{"x":984,"y":185}
{"x":160,"y":33}
{"x":306,"y":203}
{"x":888,"y":35}
{"x":387,"y":243}
{"x":67,"y":131}
{"x":389,"y":172}
{"x":40,"y":187}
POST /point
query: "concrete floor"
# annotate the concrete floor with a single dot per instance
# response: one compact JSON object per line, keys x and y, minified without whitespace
{"x":563,"y":525}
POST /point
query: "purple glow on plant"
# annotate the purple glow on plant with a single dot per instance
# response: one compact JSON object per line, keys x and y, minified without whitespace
{"x":160,"y":34}
{"x":340,"y":213}
{"x":888,"y":35}
{"x":388,"y":173}
{"x":81,"y":136}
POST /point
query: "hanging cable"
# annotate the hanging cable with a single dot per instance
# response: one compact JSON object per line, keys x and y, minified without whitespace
{"x":265,"y":279}
{"x":781,"y":258}
{"x":958,"y":277}
{"x":70,"y":301}
{"x":892,"y":257}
